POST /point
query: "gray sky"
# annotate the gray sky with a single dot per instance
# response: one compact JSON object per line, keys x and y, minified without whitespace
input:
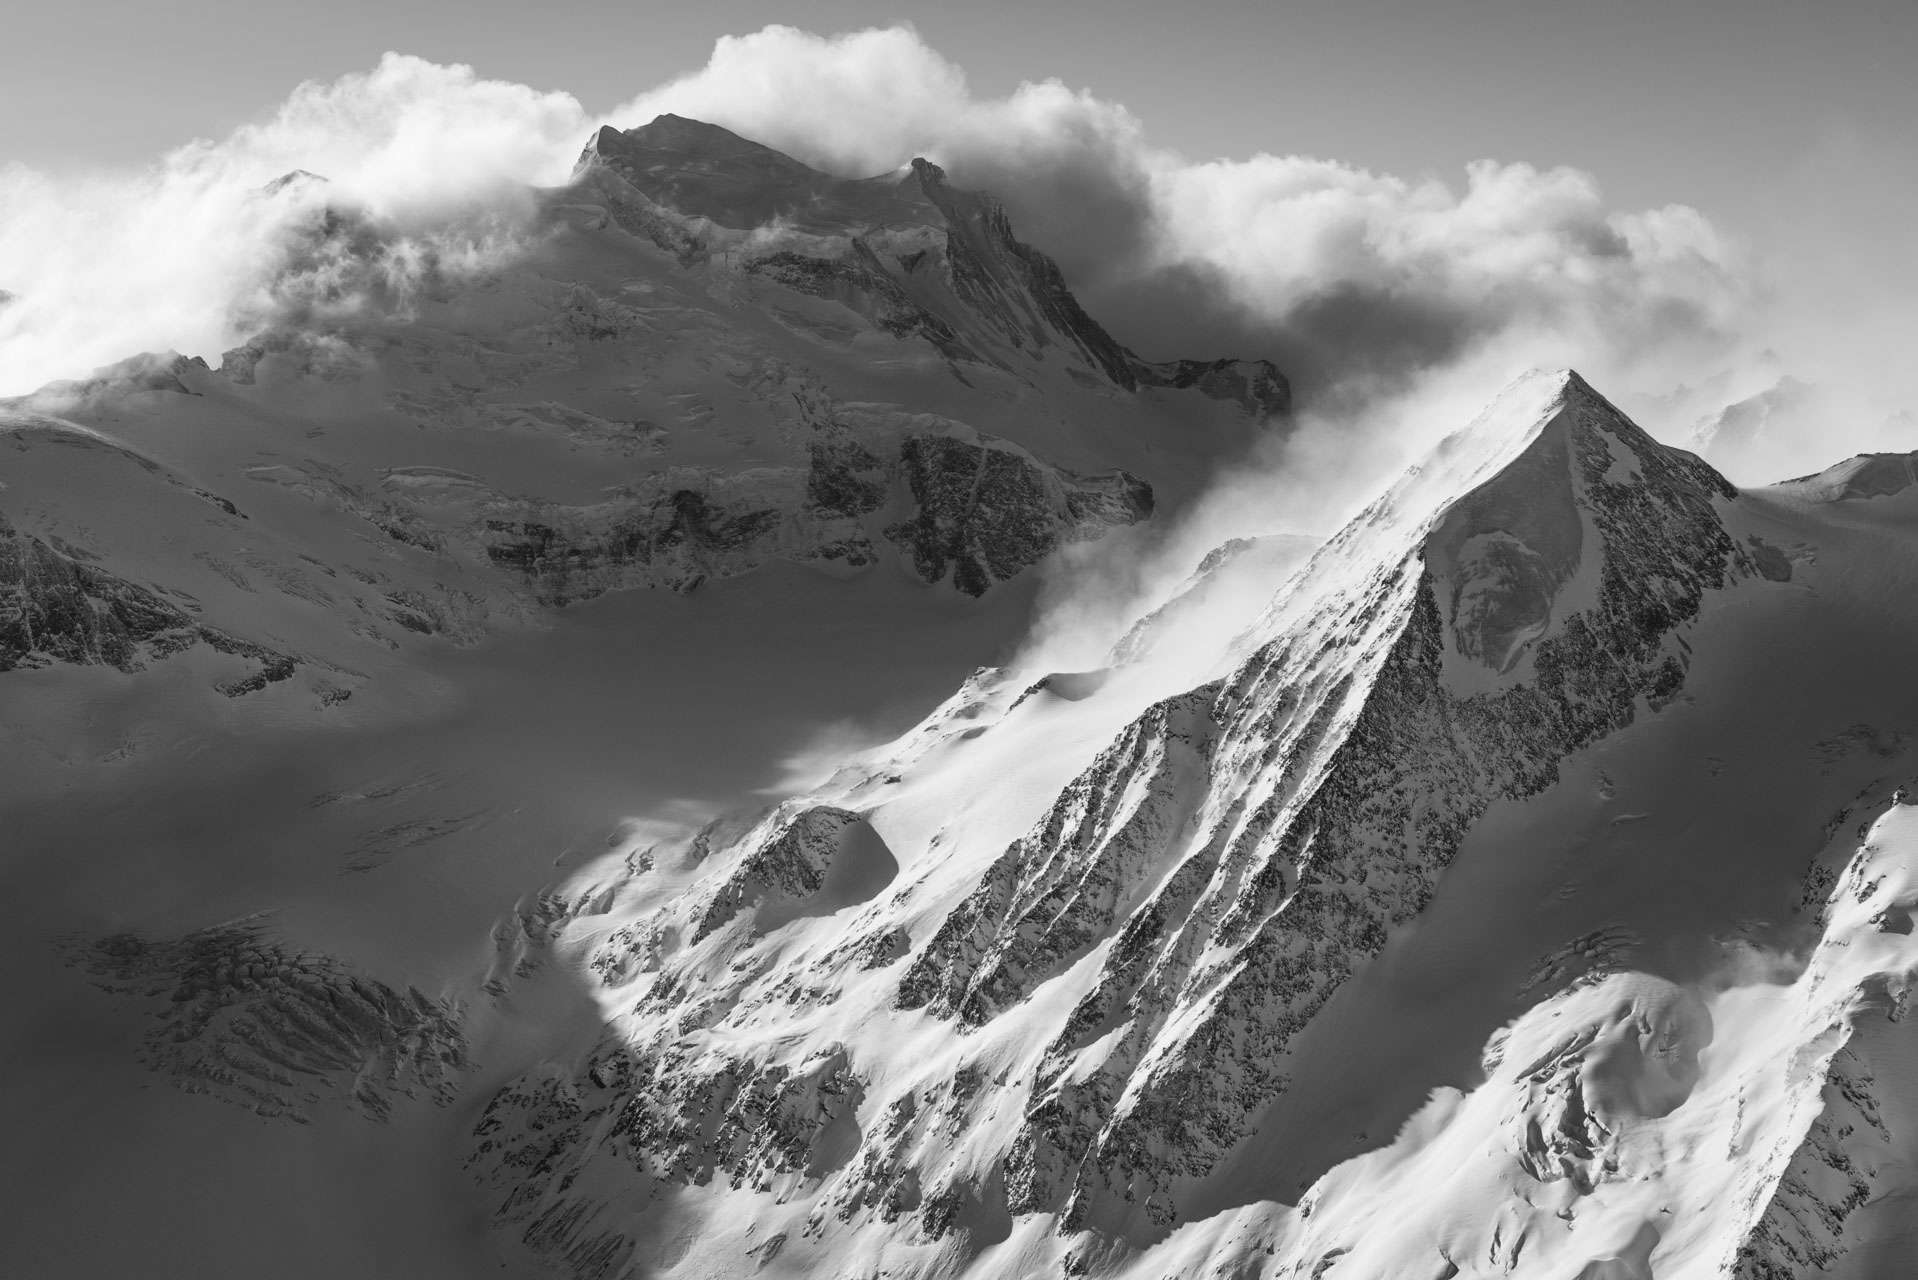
{"x":1700,"y":101}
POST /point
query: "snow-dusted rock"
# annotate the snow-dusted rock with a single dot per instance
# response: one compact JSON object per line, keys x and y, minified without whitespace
{"x":1077,"y":1034}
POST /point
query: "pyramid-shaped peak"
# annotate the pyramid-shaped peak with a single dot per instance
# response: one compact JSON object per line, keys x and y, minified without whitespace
{"x":1544,"y":390}
{"x":1552,"y":410}
{"x":1568,"y":483}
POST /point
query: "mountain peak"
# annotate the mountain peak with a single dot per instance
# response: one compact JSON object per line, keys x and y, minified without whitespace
{"x":709,"y":172}
{"x":686,"y":140}
{"x":1513,"y":555}
{"x":1557,"y":411}
{"x":927,"y":172}
{"x":929,"y":258}
{"x":682,"y":132}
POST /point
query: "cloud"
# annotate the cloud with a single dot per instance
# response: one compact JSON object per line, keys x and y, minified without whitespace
{"x":1335,"y":272}
{"x":1359,"y":284}
{"x":1347,"y":278}
{"x":1397,"y":306}
{"x":188,"y":253}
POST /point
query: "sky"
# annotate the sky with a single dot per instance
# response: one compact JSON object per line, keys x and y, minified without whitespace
{"x":1695,"y":101}
{"x":1666,"y":170}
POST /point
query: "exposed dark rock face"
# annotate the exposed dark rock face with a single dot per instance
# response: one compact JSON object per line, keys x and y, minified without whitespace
{"x":683,"y":535}
{"x":1019,"y":290}
{"x":985,"y":513}
{"x":238,"y":1015}
{"x":1060,"y":889}
{"x":790,"y":866}
{"x":980,"y":512}
{"x":678,"y":1116}
{"x":845,"y":477}
{"x":56,"y":607}
{"x":1256,"y":386}
{"x":861,"y":283}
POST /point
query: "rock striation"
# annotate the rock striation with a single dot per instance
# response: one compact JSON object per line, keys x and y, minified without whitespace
{"x":239,"y":1015}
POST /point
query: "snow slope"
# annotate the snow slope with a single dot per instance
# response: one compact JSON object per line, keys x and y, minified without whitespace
{"x":1546,"y":752}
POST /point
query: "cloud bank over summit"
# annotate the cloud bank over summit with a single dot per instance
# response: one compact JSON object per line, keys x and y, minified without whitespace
{"x":186,"y":255}
{"x":1344,"y":276}
{"x":1332,"y":271}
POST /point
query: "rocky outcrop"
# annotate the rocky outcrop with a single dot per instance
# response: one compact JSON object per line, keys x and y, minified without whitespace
{"x":1256,"y":386}
{"x":1060,"y":889}
{"x":984,"y":512}
{"x":978,"y":511}
{"x":238,"y":1015}
{"x":678,"y":1117}
{"x":788,"y":865}
{"x":56,"y":607}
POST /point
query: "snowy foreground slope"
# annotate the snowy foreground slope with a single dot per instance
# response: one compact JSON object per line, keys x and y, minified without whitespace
{"x":1520,"y":885}
{"x":1523,"y":794}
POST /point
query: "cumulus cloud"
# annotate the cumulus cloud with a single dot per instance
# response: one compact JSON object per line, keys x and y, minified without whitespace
{"x":1353,"y":281}
{"x":1397,"y":306}
{"x":187,"y":253}
{"x":1337,"y":273}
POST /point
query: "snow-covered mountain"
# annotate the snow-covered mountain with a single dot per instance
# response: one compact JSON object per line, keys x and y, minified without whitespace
{"x":1519,"y":884}
{"x":1536,"y":788}
{"x":709,"y":358}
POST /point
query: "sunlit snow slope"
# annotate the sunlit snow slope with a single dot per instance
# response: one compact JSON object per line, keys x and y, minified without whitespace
{"x":1525,"y":824}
